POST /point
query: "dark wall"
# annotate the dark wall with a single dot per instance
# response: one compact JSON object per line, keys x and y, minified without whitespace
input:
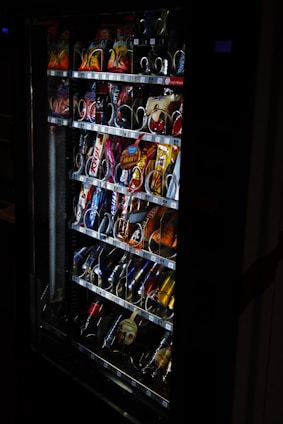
{"x":6,"y":121}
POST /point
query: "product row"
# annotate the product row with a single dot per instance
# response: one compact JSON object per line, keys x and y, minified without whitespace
{"x":151,"y":43}
{"x":125,"y":341}
{"x":137,"y":165}
{"x":127,"y":219}
{"x":137,"y":280}
{"x":141,"y":107}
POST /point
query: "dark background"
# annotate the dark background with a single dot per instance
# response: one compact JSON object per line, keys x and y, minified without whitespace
{"x":29,"y":380}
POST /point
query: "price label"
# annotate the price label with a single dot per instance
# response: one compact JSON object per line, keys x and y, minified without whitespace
{"x":175,"y":141}
{"x":174,"y":205}
{"x":89,"y":180}
{"x":120,"y":302}
{"x":89,"y":285}
{"x":168,"y":326}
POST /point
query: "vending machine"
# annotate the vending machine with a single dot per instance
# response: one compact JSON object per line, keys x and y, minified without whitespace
{"x":135,"y":144}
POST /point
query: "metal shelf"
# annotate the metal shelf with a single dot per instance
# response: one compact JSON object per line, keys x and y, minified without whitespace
{"x":155,"y":319}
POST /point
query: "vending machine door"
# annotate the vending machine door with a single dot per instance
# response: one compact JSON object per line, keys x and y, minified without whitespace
{"x":106,"y":95}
